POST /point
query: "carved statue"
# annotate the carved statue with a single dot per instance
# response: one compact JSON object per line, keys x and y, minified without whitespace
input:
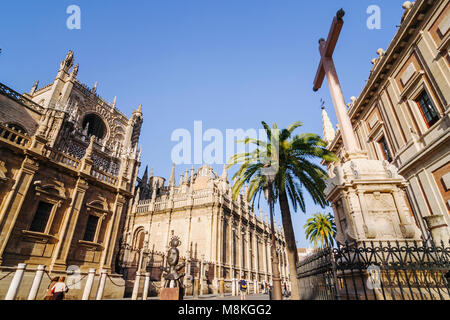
{"x":171,"y":275}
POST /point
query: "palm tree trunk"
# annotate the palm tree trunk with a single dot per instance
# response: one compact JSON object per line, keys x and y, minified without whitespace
{"x":291,"y":245}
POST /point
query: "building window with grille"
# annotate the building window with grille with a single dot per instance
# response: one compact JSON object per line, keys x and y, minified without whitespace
{"x":41,"y":217}
{"x":385,"y":149}
{"x":91,"y":228}
{"x":429,"y":112}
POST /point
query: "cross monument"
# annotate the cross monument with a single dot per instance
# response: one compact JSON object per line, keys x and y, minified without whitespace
{"x":367,"y":195}
{"x":327,"y":68}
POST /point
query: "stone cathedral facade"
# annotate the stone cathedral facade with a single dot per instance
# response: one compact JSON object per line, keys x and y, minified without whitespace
{"x":68,"y":169}
{"x":222,"y":239}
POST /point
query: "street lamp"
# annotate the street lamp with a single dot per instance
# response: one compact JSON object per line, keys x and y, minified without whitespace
{"x":270,"y":175}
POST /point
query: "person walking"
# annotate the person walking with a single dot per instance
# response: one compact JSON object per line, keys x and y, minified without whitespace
{"x":243,"y":288}
{"x":59,"y":289}
{"x":49,"y":294}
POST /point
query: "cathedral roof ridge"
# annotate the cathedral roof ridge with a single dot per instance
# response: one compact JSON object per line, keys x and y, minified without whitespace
{"x":21,"y":98}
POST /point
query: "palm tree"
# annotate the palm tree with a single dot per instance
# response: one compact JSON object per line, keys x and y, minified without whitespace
{"x":321,"y":228}
{"x":295,"y":172}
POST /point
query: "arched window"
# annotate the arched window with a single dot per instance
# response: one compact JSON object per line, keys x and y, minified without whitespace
{"x":139,"y":239}
{"x":96,"y":125}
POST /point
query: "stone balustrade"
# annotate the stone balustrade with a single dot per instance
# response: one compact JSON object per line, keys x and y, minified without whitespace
{"x":13,"y":137}
{"x":22,"y":141}
{"x":104,"y":177}
{"x":20,"y":98}
{"x":62,"y":158}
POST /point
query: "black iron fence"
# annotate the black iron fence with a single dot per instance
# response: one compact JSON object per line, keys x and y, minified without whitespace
{"x":407,"y":270}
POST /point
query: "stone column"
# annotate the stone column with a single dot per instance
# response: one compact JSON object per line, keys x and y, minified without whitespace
{"x":146,"y":286}
{"x":14,"y":201}
{"x":36,"y":282}
{"x":439,"y":229}
{"x":16,"y":281}
{"x":286,"y":267}
{"x":188,"y":233}
{"x":233,"y":287}
{"x":232,"y":241}
{"x":257,"y":257}
{"x":101,"y":286}
{"x":266,"y":268}
{"x":169,"y":222}
{"x":111,"y":233}
{"x":68,"y":226}
{"x":281,"y":254}
{"x":243,"y":251}
{"x":201,"y":276}
{"x":196,"y":288}
{"x":239,"y":248}
{"x":220,"y":248}
{"x":407,"y":226}
{"x":249,"y":253}
{"x":141,"y":258}
{"x":89,"y":283}
{"x":209,"y":244}
{"x":188,"y":272}
{"x":221,"y":287}
{"x":214,"y":237}
{"x":226,"y":244}
{"x":136,"y":285}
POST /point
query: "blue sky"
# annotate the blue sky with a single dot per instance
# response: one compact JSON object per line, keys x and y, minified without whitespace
{"x":231,"y":64}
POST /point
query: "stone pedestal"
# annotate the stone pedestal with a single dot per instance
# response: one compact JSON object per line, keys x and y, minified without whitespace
{"x":89,"y":284}
{"x":233,"y":287}
{"x":15,"y":283}
{"x":221,"y":287}
{"x":204,"y":287}
{"x":196,"y":289}
{"x":369,"y":201}
{"x":36,"y":282}
{"x":171,"y":294}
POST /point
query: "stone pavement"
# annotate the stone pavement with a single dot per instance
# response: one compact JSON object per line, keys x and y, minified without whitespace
{"x":230,"y":297}
{"x":227,"y":297}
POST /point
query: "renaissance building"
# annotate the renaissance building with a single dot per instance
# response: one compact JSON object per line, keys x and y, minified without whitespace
{"x":68,"y":168}
{"x":401,"y":117}
{"x":221,"y":239}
